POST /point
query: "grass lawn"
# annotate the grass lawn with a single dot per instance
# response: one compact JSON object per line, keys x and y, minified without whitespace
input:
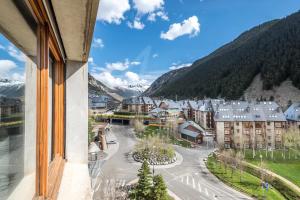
{"x":288,"y":168}
{"x":156,"y":131}
{"x":249,"y":184}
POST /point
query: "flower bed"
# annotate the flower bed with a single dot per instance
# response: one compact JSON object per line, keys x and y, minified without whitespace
{"x":158,"y":157}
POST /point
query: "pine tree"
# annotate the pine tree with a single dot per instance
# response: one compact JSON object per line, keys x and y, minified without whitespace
{"x":159,"y":190}
{"x":143,"y":188}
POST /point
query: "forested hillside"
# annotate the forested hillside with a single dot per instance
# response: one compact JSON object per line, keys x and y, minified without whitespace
{"x":271,"y":50}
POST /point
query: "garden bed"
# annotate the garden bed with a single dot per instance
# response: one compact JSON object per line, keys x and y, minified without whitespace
{"x":156,"y":159}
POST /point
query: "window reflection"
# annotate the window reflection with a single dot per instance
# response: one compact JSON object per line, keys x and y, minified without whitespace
{"x":12,"y":104}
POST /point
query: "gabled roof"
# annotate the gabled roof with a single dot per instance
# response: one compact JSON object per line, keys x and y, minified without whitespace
{"x":183,"y":104}
{"x":293,"y":112}
{"x":171,"y":104}
{"x":249,"y":111}
{"x":157,"y":102}
{"x":148,"y":100}
{"x":193,"y":104}
{"x":133,"y":100}
{"x":183,"y":129}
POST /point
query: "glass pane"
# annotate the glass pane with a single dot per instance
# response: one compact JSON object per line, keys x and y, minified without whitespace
{"x":12,"y":89}
{"x":17,"y":101}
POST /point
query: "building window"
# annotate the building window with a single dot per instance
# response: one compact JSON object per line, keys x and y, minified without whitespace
{"x":269,"y":144}
{"x":268,"y":123}
{"x":17,"y":142}
{"x":269,"y":137}
{"x":237,"y":123}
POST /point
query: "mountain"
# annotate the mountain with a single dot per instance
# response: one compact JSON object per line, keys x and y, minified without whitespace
{"x":16,"y":89}
{"x":118,"y":94}
{"x":270,"y":50}
{"x":11,"y":89}
{"x":163,"y":81}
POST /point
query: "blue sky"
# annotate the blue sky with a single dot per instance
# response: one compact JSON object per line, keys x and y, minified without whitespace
{"x":135,"y":41}
{"x":219,"y":21}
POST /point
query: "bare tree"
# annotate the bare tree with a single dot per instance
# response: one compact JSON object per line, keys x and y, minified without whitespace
{"x":290,"y":140}
{"x":240,"y":159}
{"x":139,"y":127}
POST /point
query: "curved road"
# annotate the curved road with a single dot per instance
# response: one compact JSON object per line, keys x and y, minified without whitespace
{"x":189,"y":181}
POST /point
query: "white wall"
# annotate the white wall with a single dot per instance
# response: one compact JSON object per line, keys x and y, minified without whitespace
{"x":77,"y":112}
{"x":220,"y":133}
{"x":30,"y":118}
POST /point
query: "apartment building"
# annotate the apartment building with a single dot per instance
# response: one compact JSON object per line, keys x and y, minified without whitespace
{"x":148,"y":104}
{"x":138,"y":105}
{"x":204,"y":114}
{"x":241,"y":124}
{"x":45,"y":155}
{"x":134,"y":104}
{"x":98,"y":104}
{"x":292,"y":115}
{"x":192,"y":109}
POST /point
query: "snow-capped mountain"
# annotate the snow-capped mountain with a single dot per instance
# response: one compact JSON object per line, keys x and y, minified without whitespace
{"x":11,"y":89}
{"x":118,"y":93}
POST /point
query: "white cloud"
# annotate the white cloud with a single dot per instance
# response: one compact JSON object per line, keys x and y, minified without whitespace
{"x":121,"y":66}
{"x":18,"y":77}
{"x":134,"y":77}
{"x":155,"y":55}
{"x":98,"y":43}
{"x":152,"y":8}
{"x":134,"y":63}
{"x":6,"y":66}
{"x":136,"y":24}
{"x":15,"y":53}
{"x":91,"y":60}
{"x":2,"y":47}
{"x":128,"y":79}
{"x":112,"y":11}
{"x":176,"y":66}
{"x":190,"y":26}
{"x":161,"y":14}
{"x":108,"y":79}
{"x":148,"y":6}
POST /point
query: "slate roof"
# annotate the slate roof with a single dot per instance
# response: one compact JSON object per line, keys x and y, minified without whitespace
{"x":249,"y":111}
{"x":171,"y":104}
{"x":183,"y":130}
{"x":194,"y":104}
{"x":293,"y":112}
{"x":133,"y":100}
{"x":148,"y":100}
{"x":157,"y":102}
{"x":183,"y":104}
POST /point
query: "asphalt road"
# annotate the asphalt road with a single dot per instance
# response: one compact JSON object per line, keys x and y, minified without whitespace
{"x":189,"y":181}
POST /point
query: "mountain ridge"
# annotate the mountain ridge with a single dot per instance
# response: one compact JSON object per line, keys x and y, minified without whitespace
{"x":271,"y":49}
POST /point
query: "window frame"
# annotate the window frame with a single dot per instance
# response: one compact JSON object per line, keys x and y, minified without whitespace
{"x":48,"y":176}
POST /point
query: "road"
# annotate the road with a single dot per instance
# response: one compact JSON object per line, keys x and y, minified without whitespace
{"x":189,"y":181}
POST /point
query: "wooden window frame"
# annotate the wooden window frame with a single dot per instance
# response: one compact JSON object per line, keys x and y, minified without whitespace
{"x":48,"y":177}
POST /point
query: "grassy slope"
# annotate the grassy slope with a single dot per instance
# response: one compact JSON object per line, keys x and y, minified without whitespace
{"x":249,"y":184}
{"x":287,"y":168}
